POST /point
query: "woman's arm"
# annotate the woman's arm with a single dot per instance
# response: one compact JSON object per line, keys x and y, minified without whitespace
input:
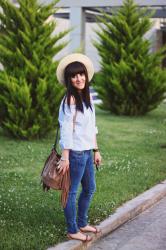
{"x":66,"y":134}
{"x":64,"y":163}
{"x":96,"y":147}
{"x":65,"y":154}
{"x":97,"y":156}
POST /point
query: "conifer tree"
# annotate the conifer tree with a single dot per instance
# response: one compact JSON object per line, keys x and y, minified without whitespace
{"x":29,"y":91}
{"x":131,"y":81}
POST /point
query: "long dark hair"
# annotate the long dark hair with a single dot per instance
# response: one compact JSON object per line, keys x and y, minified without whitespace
{"x":70,"y":71}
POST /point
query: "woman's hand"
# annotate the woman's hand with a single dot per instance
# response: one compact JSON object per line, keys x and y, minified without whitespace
{"x":64,"y":166}
{"x":64,"y":162}
{"x":97,"y":158}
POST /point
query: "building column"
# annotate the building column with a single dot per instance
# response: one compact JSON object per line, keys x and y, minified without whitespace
{"x":77,"y":35}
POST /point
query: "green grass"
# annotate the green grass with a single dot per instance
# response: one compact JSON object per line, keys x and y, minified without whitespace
{"x":133,"y":161}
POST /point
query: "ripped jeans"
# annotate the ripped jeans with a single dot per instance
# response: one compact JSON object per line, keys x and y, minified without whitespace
{"x":81,"y":171}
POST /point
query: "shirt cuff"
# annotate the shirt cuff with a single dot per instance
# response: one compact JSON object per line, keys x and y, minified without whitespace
{"x":65,"y":145}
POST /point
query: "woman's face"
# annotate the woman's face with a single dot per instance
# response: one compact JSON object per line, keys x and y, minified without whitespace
{"x":78,"y":81}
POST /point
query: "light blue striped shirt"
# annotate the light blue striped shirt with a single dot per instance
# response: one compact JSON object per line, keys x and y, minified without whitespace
{"x":83,"y":135}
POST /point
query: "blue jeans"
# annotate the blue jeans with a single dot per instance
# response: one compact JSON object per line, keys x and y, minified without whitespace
{"x":81,"y":171}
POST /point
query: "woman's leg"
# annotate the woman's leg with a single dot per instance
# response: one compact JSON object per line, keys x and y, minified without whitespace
{"x":88,"y":188}
{"x":77,"y":167}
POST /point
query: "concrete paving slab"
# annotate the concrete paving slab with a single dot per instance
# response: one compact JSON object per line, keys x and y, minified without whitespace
{"x":147,"y":231}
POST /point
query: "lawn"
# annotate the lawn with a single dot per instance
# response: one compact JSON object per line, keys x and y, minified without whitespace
{"x":134,"y":159}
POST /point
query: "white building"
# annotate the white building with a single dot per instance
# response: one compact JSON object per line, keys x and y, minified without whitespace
{"x":80,"y":15}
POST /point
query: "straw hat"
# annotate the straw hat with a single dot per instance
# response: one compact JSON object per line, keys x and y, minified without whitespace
{"x":75,"y":57}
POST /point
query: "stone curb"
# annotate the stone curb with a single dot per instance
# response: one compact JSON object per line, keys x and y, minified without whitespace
{"x":124,"y":213}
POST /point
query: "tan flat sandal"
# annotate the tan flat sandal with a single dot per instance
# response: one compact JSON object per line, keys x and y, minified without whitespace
{"x":96,"y":230}
{"x":87,"y":238}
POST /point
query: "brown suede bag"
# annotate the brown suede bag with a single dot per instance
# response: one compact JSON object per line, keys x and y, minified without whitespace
{"x":52,"y":178}
{"x":50,"y":175}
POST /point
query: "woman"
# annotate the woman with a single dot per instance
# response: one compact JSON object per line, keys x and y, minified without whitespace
{"x":77,"y":139}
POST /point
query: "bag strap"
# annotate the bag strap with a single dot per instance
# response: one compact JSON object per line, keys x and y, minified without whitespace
{"x":56,"y":138}
{"x":57,"y":132}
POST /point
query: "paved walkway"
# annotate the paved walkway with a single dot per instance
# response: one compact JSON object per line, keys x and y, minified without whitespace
{"x":145,"y":232}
